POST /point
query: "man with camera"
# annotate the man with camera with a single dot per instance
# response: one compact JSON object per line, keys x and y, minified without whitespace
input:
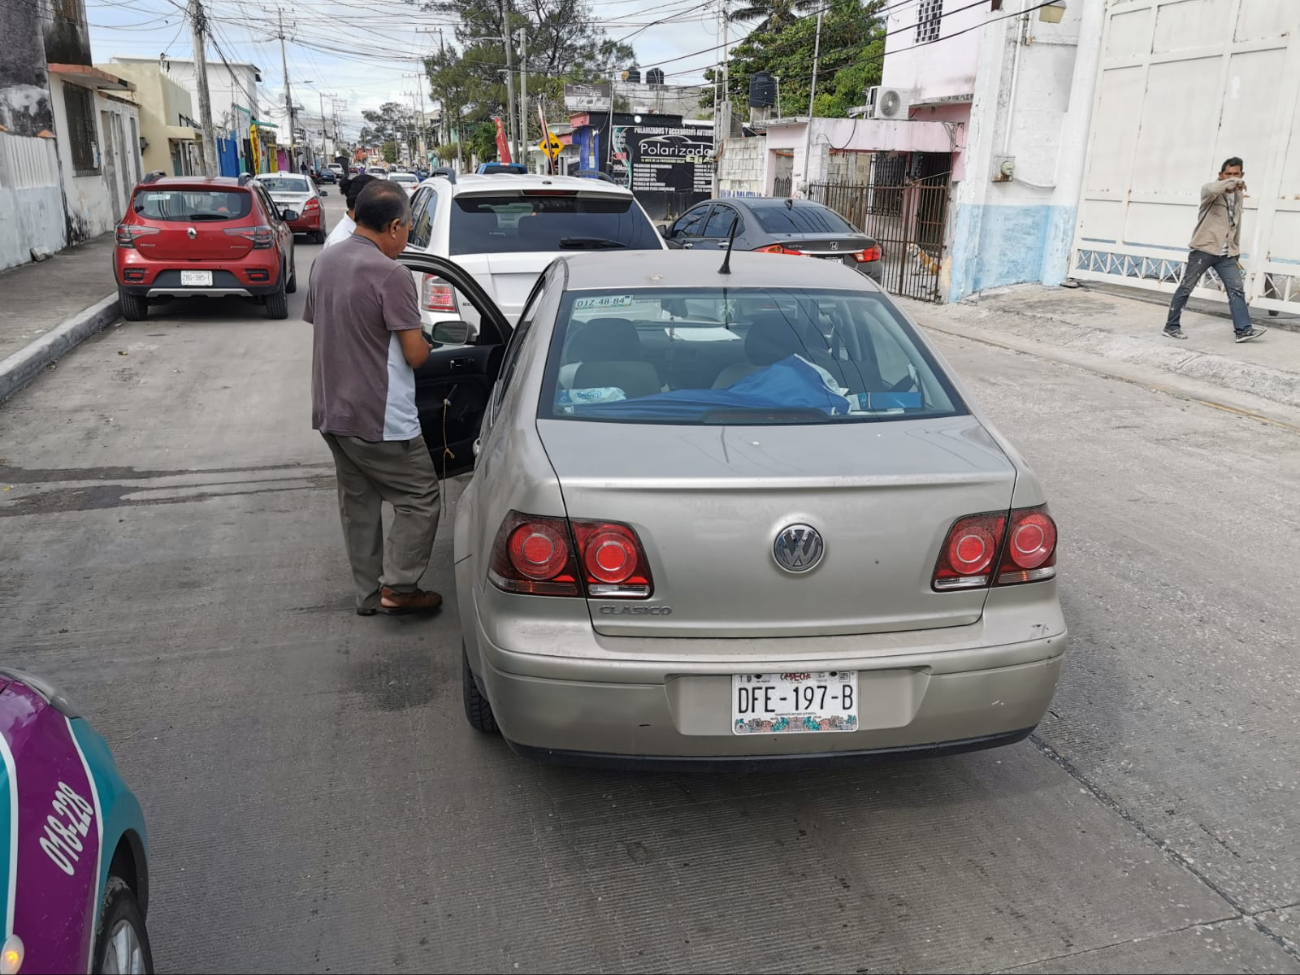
{"x":1216,"y":243}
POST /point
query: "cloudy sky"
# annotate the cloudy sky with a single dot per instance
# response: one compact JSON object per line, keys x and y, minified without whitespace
{"x":365,"y":52}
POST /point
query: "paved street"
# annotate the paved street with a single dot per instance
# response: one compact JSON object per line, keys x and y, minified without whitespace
{"x":317,"y":802}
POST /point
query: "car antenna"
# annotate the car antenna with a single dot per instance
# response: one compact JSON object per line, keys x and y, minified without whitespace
{"x":726,"y":261}
{"x":789,"y":203}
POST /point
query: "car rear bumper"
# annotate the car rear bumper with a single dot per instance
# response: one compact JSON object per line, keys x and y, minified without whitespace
{"x":166,"y":284}
{"x":307,"y":225}
{"x":678,"y":712}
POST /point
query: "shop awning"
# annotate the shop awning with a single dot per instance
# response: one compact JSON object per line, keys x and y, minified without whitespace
{"x":89,"y":76}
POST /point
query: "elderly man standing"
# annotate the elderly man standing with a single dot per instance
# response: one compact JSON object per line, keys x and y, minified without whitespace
{"x":367,"y":344}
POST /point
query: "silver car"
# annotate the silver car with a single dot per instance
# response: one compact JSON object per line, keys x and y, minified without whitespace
{"x":733,"y":516}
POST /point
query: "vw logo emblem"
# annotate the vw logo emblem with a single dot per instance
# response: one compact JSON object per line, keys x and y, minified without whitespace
{"x":798,"y":548}
{"x":191,"y":233}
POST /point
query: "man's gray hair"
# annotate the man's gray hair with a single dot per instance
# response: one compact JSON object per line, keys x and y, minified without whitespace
{"x":380,"y":203}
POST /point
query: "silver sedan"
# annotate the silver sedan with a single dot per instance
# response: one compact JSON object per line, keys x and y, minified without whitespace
{"x":733,"y":516}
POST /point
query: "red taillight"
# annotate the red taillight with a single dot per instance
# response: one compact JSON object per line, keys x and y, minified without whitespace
{"x":535,"y":556}
{"x":614,"y":562}
{"x":438,"y":297}
{"x":262,"y":236}
{"x":968,"y":553}
{"x":127,"y":233}
{"x":1031,"y":548}
{"x":870,"y":254}
{"x":778,"y":249}
{"x":311,"y":204}
{"x":1024,"y":551}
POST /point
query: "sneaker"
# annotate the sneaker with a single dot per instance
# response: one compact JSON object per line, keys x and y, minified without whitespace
{"x":1175,"y":333}
{"x":1252,"y":333}
{"x":415,"y":601}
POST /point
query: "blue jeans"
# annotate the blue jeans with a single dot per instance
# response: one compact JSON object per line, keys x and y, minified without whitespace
{"x":1229,"y":271}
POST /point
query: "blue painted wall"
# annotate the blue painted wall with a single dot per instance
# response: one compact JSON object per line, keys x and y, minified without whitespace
{"x":1000,"y":245}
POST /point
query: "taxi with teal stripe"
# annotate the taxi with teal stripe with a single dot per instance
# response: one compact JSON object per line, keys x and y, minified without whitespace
{"x":73,"y":847}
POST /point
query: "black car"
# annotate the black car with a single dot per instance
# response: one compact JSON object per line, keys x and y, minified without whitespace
{"x":776,"y":226}
{"x":324,"y":176}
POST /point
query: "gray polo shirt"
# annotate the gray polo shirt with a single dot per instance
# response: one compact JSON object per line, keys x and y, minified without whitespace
{"x":361,"y":385}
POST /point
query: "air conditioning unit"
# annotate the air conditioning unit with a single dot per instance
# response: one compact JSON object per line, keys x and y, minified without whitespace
{"x":889,"y":103}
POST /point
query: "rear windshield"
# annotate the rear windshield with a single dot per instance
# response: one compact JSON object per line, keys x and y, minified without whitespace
{"x":801,"y":219}
{"x":286,"y":184}
{"x":185,"y":205}
{"x":511,"y":222}
{"x":739,"y":356}
{"x":404,"y":178}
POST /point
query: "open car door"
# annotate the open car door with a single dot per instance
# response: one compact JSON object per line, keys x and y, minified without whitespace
{"x":453,"y":389}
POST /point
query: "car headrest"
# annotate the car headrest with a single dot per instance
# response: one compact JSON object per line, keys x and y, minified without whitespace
{"x":605,"y":340}
{"x":772,"y":337}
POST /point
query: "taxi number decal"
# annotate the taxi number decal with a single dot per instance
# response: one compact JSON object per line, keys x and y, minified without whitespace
{"x":65,"y":827}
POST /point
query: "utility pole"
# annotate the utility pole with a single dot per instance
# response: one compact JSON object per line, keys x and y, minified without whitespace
{"x":288,"y":97}
{"x":198,"y":24}
{"x":510,"y":75}
{"x":523,"y":95}
{"x":812,"y":98}
{"x":323,"y":154}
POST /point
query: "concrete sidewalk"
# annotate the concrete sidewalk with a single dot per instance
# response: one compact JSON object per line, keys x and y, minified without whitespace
{"x":1120,"y":336}
{"x":47,"y":308}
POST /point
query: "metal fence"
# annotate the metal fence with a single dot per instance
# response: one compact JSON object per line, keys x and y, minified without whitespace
{"x":781,"y":186}
{"x":906,"y":218}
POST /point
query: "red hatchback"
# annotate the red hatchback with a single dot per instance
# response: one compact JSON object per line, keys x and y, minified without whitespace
{"x":193,"y":236}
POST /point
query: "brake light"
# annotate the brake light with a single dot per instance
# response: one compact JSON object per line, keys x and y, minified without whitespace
{"x":311,"y":204}
{"x":778,"y":249}
{"x":550,"y":193}
{"x":872,"y":253}
{"x":1031,"y":548}
{"x":438,"y":297}
{"x":533,"y":555}
{"x":262,"y":236}
{"x":536,"y":556}
{"x":1023,"y":550}
{"x":613,"y":560}
{"x":128,"y":233}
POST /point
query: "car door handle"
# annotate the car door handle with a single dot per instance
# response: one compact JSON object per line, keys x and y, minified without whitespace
{"x":687,"y":246}
{"x":464,"y":362}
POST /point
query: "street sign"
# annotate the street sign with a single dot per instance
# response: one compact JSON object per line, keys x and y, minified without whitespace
{"x":550,"y":145}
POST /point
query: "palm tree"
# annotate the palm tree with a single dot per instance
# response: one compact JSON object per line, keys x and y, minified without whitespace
{"x":775,"y":14}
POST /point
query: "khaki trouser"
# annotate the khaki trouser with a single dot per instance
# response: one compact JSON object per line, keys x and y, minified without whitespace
{"x":401,"y":473}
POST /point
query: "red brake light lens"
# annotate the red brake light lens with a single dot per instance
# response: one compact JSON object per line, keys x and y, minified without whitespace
{"x":438,"y":297}
{"x":973,"y":543}
{"x":1031,"y":548}
{"x":613,"y":560}
{"x":312,"y":204}
{"x":778,"y":249}
{"x":870,"y":254}
{"x":533,"y":555}
{"x":262,"y":236}
{"x":127,"y":233}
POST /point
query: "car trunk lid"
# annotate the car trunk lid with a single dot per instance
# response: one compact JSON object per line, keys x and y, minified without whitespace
{"x":708,"y":503}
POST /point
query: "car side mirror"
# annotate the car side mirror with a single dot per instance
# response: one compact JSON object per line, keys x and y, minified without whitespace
{"x":451,"y":333}
{"x":665,"y":231}
{"x":324,"y":192}
{"x":288,"y":214}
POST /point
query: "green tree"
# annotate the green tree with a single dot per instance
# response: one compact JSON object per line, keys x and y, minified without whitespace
{"x":390,"y":152}
{"x":852,"y":50}
{"x":771,"y":15}
{"x":388,"y":123}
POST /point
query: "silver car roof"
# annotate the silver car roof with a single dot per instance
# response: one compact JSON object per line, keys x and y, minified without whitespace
{"x":699,"y":269}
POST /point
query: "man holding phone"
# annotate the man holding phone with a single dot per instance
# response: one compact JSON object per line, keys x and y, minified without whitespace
{"x":1216,"y":243}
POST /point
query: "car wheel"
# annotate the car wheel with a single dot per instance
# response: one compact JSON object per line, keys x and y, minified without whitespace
{"x":318,"y":237}
{"x":135,"y":308}
{"x":292,"y":285}
{"x":122,"y":944}
{"x":477,"y":709}
{"x":277,"y":303}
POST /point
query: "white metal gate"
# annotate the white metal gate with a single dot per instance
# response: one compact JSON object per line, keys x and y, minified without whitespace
{"x":1183,"y":85}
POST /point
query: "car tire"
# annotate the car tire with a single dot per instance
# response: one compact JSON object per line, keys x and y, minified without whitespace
{"x":292,"y":284}
{"x":478,"y":711}
{"x":119,"y":919}
{"x":135,"y":308}
{"x":318,"y":237}
{"x":277,"y":303}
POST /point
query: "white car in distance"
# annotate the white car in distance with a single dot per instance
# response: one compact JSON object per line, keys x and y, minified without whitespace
{"x":505,"y":230}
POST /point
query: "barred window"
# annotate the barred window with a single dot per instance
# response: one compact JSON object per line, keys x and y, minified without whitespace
{"x":83,"y":138}
{"x":929,"y":18}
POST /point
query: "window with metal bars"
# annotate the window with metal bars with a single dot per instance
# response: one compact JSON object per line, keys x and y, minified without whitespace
{"x":82,"y":135}
{"x":929,"y":19}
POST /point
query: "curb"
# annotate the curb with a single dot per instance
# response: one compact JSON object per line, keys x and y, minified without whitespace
{"x":24,"y":365}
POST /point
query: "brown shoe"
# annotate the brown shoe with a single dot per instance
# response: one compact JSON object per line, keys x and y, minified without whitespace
{"x":415,"y":601}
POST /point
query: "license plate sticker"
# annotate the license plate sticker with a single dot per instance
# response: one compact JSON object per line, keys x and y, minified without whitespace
{"x":794,"y":703}
{"x":196,"y":279}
